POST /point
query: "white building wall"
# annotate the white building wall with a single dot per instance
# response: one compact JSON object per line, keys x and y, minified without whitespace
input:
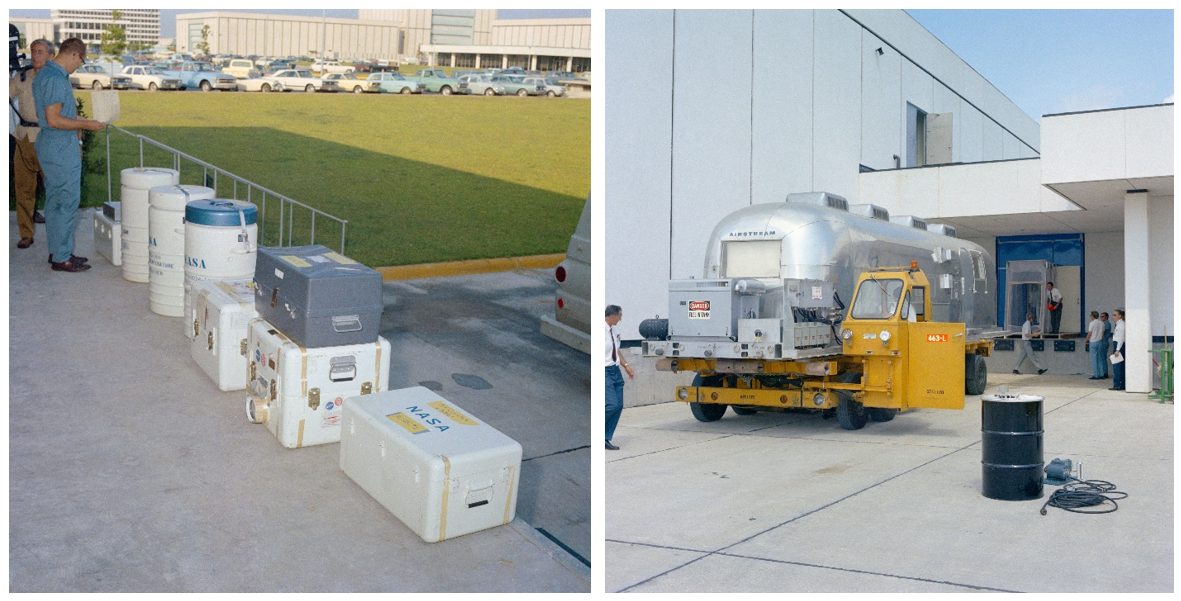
{"x":821,"y":101}
{"x":1161,"y":260}
{"x":1104,"y":274}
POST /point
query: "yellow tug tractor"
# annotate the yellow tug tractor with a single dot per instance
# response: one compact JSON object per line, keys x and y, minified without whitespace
{"x":767,"y":330}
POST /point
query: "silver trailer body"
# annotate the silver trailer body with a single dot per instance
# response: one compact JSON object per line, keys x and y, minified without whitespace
{"x":797,"y":263}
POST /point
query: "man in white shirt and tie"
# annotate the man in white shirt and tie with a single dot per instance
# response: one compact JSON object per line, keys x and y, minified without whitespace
{"x":614,"y":379}
{"x":1117,"y":342}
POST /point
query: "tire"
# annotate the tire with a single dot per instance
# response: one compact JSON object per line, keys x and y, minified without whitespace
{"x":446,"y":91}
{"x":310,"y":89}
{"x":407,"y":91}
{"x":522,"y":93}
{"x":975,"y":375}
{"x":206,"y":86}
{"x":850,"y":413}
{"x":707,"y":412}
{"x":97,"y":85}
{"x":743,"y":410}
{"x":881,"y":414}
{"x":358,"y":90}
{"x":489,"y":92}
{"x":266,"y":87}
{"x":152,"y":86}
{"x":550,"y":94}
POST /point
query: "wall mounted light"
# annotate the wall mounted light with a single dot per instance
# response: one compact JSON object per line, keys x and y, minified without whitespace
{"x":880,"y":51}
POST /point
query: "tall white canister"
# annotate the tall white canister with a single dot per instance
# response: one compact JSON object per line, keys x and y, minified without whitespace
{"x":136,"y":184}
{"x":221,"y":242}
{"x":166,"y":245}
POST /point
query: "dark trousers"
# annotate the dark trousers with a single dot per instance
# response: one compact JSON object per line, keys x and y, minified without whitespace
{"x":1055,"y":319}
{"x":1117,"y":369}
{"x":614,"y":385}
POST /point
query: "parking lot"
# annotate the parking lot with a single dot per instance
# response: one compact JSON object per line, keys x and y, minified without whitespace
{"x":130,"y":471}
{"x":793,"y":503}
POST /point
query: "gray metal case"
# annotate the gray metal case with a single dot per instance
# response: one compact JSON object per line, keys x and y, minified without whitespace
{"x":317,"y":297}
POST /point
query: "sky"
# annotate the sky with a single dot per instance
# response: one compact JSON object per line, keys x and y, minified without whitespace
{"x":1057,"y":61}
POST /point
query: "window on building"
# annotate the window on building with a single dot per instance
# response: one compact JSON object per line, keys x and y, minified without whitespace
{"x":466,"y":61}
{"x":581,"y":65}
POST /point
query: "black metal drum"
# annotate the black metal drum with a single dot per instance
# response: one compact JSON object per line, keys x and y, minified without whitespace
{"x":1013,"y":464}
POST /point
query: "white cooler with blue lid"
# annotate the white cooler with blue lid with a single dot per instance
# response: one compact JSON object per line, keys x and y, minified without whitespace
{"x":220,"y":244}
{"x":438,"y":469}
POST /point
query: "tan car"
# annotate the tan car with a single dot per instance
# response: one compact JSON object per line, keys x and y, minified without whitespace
{"x":351,"y":83}
{"x":240,"y":68}
{"x":96,"y":78}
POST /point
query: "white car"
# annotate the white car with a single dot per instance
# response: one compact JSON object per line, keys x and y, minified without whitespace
{"x":331,"y":66}
{"x":571,"y":323}
{"x":351,"y":83}
{"x":95,"y":78}
{"x":552,"y":87}
{"x":239,"y":68}
{"x":302,"y":79}
{"x":150,"y":78}
{"x":254,"y":82}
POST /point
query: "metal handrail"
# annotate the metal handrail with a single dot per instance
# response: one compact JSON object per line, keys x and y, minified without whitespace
{"x":285,"y":202}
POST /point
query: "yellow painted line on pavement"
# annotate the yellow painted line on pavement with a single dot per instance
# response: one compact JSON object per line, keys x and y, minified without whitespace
{"x":450,"y":268}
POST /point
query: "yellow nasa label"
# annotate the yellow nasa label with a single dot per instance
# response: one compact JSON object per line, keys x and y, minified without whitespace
{"x":452,"y":413}
{"x":296,"y":261}
{"x":412,"y":426}
{"x":339,"y":258}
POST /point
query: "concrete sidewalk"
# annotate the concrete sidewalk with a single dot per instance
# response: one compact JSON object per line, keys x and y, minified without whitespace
{"x":793,"y":503}
{"x":130,"y":471}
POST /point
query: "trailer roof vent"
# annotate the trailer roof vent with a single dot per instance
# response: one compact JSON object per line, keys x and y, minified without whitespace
{"x":910,"y":221}
{"x":940,"y":228}
{"x":871,"y":211}
{"x":823,"y":199}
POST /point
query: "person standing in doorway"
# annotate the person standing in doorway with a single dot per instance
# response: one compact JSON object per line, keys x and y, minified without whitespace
{"x":1117,"y":340}
{"x":59,"y":151}
{"x":1025,"y":349}
{"x":1054,"y":304}
{"x":614,"y":379}
{"x":1094,"y":346}
{"x":1106,"y":344}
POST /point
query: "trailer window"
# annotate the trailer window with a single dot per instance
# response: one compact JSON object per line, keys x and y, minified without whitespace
{"x":877,"y":299}
{"x":750,"y":259}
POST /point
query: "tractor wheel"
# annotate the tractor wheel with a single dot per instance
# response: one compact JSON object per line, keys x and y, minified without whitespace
{"x":743,"y":410}
{"x":707,"y":412}
{"x":881,"y":414}
{"x":975,"y":374}
{"x":850,"y":413}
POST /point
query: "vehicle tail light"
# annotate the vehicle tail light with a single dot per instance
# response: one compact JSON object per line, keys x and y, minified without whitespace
{"x":561,"y":303}
{"x":560,"y":273}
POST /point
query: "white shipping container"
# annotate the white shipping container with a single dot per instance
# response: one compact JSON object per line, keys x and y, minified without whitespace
{"x":439,"y":470}
{"x":299,"y":392}
{"x":108,"y":239}
{"x":220,"y":323}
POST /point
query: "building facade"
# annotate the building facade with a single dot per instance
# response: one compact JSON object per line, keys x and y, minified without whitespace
{"x":142,"y":25}
{"x":34,"y":29}
{"x":283,"y":35}
{"x":868,"y":105}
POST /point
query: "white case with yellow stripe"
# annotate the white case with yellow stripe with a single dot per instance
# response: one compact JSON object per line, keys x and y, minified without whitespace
{"x":439,"y":470}
{"x":299,"y":392}
{"x":219,"y":325}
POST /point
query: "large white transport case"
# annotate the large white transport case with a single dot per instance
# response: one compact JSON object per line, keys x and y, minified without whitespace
{"x":108,"y":233}
{"x":439,"y":470}
{"x":298,"y":392}
{"x":220,"y":323}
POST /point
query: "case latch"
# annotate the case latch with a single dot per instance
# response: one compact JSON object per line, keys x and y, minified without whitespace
{"x":314,"y":398}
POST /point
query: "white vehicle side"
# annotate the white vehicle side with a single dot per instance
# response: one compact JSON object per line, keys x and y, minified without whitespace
{"x":298,"y":79}
{"x":571,"y":322}
{"x":254,"y":82}
{"x":150,"y":78}
{"x":239,"y":68}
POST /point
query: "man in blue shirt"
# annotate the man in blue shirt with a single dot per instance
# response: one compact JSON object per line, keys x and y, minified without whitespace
{"x":59,"y":150}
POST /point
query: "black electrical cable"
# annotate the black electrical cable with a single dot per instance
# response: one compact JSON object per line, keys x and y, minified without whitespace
{"x":1080,"y":495}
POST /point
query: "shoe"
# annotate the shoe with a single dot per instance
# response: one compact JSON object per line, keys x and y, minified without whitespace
{"x":611,"y":447}
{"x":1016,"y":372}
{"x":72,"y":259}
{"x":1041,"y":371}
{"x":38,"y":217}
{"x":1114,"y":388}
{"x":70,"y":266}
{"x":24,"y":243}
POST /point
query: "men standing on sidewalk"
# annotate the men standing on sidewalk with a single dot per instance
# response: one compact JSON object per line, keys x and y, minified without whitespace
{"x":59,"y":151}
{"x":26,"y":169}
{"x":1095,"y":346}
{"x":1106,"y":344}
{"x":614,"y":379}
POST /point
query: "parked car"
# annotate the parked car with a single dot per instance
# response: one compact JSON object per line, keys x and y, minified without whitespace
{"x":513,"y":71}
{"x":277,"y":65}
{"x":202,"y":75}
{"x":239,"y":67}
{"x":552,"y":87}
{"x":351,"y":83}
{"x":302,"y":79}
{"x":257,"y":82}
{"x":396,"y":83}
{"x":436,"y":80}
{"x":515,"y":84}
{"x":330,"y":66}
{"x":564,"y":76}
{"x":571,"y":322}
{"x":482,"y":84}
{"x":95,"y":78}
{"x":150,"y":78}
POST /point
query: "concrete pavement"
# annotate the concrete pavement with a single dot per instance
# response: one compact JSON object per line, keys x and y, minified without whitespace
{"x":130,"y":471}
{"x":793,"y":503}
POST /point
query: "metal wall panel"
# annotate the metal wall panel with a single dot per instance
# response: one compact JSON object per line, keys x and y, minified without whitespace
{"x":945,"y":101}
{"x":638,"y":163}
{"x":711,"y":128}
{"x":781,"y":124}
{"x":836,"y":111}
{"x":881,"y":104}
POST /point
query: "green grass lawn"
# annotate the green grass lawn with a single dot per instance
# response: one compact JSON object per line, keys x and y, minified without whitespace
{"x":419,"y":179}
